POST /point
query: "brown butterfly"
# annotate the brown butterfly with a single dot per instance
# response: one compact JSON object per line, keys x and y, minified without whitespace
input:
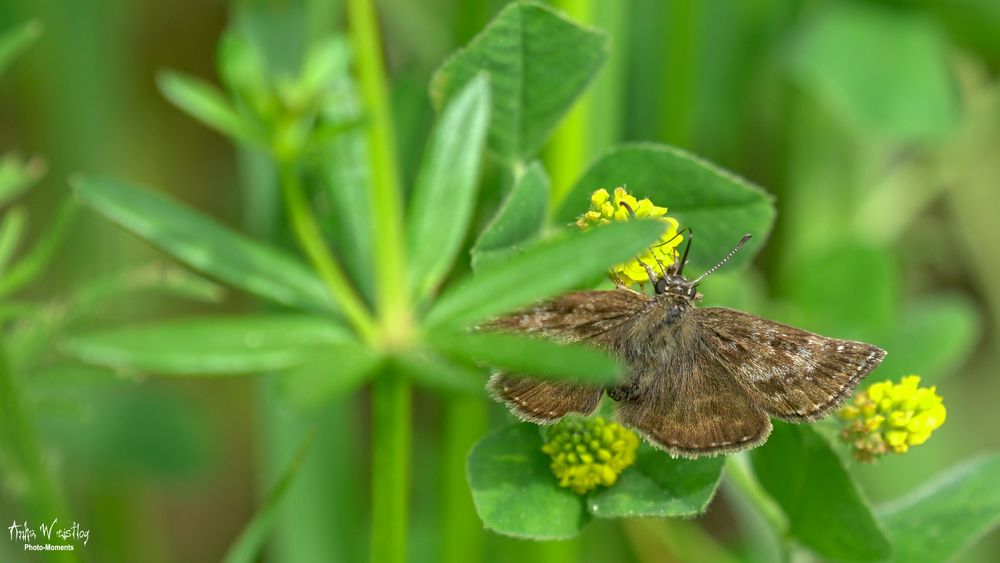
{"x":697,"y":381}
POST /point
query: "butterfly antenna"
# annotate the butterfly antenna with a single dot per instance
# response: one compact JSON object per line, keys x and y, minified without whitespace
{"x":732,"y":253}
{"x":684,"y":258}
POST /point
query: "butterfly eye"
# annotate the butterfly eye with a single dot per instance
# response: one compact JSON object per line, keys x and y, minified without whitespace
{"x":661,"y":286}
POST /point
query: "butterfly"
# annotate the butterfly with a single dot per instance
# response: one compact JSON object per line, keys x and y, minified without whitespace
{"x":698,"y":381}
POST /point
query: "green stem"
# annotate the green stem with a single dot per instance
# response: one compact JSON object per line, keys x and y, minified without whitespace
{"x":390,"y":466}
{"x":739,"y":474}
{"x":680,"y":72}
{"x":387,"y":204}
{"x":462,"y":537}
{"x":569,"y":150}
{"x":43,"y":499}
{"x":390,"y":393}
{"x":310,"y":238}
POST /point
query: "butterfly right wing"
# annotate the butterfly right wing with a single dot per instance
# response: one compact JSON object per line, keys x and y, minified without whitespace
{"x":792,"y":374}
{"x":586,"y":316}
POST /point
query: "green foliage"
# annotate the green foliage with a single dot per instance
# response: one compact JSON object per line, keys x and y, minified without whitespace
{"x":332,"y":154}
{"x":17,"y":176}
{"x":884,"y":70}
{"x":209,"y":106}
{"x":518,"y":222}
{"x":659,"y":486}
{"x":516,"y":494}
{"x":309,"y":386}
{"x":447,"y":180}
{"x":103,"y":437}
{"x":825,"y":509}
{"x":209,"y":346}
{"x":538,"y":63}
{"x":35,"y":260}
{"x":941,"y":519}
{"x":206,"y":245}
{"x":514,"y":491}
{"x":846,"y":289}
{"x":933,"y":338}
{"x":720,"y":207}
{"x":532,"y":356}
{"x":15,"y":41}
{"x":251,"y":541}
{"x":542,"y":270}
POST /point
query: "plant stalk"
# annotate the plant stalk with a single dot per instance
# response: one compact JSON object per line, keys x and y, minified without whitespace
{"x":310,"y":238}
{"x":569,"y":151}
{"x":739,"y":474}
{"x":390,"y":392}
{"x":390,"y":466}
{"x":462,"y":536}
{"x":387,"y":205}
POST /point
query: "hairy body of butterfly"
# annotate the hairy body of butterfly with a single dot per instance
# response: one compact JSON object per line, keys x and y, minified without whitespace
{"x":698,"y":381}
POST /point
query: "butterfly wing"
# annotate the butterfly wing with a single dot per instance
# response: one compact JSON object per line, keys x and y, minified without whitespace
{"x":790,"y":373}
{"x":589,"y":316}
{"x":686,"y":403}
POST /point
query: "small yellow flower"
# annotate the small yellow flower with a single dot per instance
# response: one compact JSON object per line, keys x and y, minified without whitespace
{"x":587,"y":452}
{"x":605,"y":208}
{"x":891,"y":417}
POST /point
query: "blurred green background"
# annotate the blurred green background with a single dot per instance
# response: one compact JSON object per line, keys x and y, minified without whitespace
{"x":875,"y":124}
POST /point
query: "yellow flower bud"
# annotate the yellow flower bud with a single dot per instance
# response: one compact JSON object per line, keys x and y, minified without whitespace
{"x":605,"y":208}
{"x":597,"y":452}
{"x":890,"y":417}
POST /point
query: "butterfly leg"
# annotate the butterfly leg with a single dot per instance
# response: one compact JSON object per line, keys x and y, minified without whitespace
{"x":624,"y":392}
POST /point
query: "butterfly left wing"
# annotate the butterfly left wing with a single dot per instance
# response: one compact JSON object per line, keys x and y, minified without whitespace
{"x":585,"y":316}
{"x":790,"y":373}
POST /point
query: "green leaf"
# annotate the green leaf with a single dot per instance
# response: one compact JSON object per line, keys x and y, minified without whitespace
{"x":847,"y":289}
{"x":941,"y":519}
{"x":343,"y":166}
{"x":167,"y":279}
{"x":658,"y":485}
{"x":206,"y":245}
{"x":210,"y":345}
{"x":242,"y":68}
{"x":719,"y":206}
{"x":538,"y":63}
{"x":445,"y":189}
{"x":545,"y":269}
{"x":33,"y":263}
{"x":326,"y":61}
{"x":328,"y":374}
{"x":826,"y":511}
{"x":532,"y":356}
{"x":11,"y":232}
{"x":17,"y":176}
{"x":14,"y":41}
{"x":933,"y":338}
{"x":515,"y":492}
{"x":885,"y":70}
{"x":519,"y":220}
{"x":205,"y":103}
{"x":435,"y":372}
{"x":252,"y":538}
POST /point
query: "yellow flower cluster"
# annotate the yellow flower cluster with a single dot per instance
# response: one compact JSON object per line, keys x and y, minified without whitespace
{"x":891,"y":417}
{"x":589,"y":452}
{"x":605,"y":208}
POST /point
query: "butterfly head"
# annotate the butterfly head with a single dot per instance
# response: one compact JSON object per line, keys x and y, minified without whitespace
{"x":677,"y":285}
{"x":673,"y":282}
